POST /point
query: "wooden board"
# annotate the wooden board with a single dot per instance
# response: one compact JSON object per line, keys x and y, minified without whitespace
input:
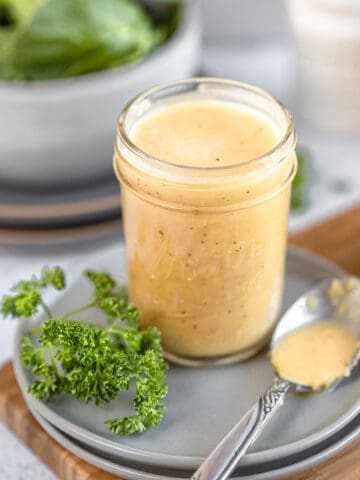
{"x":338,"y":239}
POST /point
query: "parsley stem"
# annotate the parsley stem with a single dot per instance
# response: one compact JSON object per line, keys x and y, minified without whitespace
{"x":79,"y":310}
{"x":37,"y":330}
{"x":46,"y":309}
{"x":53,"y":362}
{"x":113,"y":324}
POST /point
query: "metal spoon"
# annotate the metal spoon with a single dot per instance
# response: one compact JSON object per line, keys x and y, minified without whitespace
{"x":225,"y":457}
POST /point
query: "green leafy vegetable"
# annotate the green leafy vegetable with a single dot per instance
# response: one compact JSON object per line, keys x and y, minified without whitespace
{"x":92,"y":362}
{"x":13,"y":15}
{"x":45,"y":39}
{"x":27,"y":298}
{"x":300,"y":182}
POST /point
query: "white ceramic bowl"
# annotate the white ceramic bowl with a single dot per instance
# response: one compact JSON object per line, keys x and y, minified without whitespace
{"x":327,"y":36}
{"x":61,"y":132}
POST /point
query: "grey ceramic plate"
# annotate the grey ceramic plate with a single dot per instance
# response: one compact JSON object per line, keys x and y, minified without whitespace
{"x":271,"y":471}
{"x":203,"y":404}
{"x":53,"y":208}
{"x":60,"y":236}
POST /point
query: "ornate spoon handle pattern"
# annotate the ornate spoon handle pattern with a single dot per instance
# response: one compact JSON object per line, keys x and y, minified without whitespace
{"x":224,"y":458}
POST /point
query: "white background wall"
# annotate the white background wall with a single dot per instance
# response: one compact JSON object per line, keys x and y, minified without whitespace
{"x":237,"y":18}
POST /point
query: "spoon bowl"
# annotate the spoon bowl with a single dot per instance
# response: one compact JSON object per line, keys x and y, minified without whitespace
{"x":315,"y":306}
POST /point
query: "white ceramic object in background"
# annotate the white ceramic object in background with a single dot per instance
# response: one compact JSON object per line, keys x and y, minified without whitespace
{"x":327,"y":35}
{"x":60,"y":132}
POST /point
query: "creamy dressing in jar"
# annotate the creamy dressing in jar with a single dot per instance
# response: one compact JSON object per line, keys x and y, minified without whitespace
{"x":205,"y":176}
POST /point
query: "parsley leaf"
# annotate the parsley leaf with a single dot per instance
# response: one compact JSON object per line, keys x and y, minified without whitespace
{"x":27,"y":298}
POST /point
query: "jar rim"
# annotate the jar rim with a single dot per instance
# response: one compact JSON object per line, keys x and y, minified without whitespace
{"x":176,"y":168}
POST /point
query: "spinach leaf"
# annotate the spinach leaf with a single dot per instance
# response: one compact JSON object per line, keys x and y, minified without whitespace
{"x":66,"y":38}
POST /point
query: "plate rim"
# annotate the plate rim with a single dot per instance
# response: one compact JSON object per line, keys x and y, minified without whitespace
{"x":292,"y":468}
{"x":70,"y":234}
{"x":45,"y":207}
{"x":145,"y":456}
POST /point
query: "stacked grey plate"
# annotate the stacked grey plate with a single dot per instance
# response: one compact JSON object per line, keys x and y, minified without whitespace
{"x":203,"y":404}
{"x":58,"y":208}
{"x":80,"y":212}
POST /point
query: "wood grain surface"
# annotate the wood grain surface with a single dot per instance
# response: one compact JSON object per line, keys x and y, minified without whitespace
{"x":338,"y":239}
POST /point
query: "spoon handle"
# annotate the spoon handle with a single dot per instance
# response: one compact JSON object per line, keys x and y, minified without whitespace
{"x":224,"y":458}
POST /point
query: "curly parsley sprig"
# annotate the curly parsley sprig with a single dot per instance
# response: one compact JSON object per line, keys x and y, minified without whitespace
{"x":88,"y":361}
{"x":27,"y":297}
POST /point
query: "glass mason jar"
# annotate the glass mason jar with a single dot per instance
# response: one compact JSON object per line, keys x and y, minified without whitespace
{"x":206,"y":245}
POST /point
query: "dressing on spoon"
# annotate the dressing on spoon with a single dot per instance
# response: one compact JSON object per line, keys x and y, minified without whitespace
{"x":316,"y":354}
